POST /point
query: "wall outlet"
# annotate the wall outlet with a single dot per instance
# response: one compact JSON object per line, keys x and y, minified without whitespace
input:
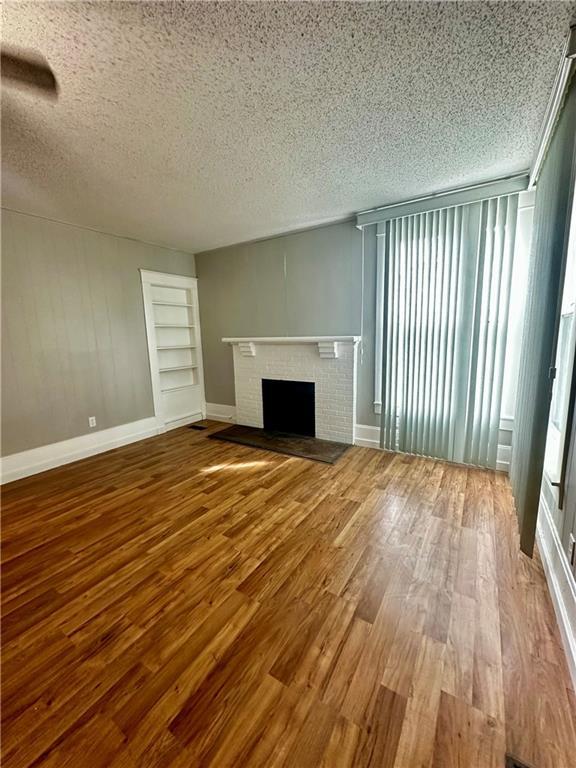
{"x":91,"y":421}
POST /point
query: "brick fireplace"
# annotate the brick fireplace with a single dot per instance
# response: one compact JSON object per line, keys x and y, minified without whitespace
{"x":327,"y":361}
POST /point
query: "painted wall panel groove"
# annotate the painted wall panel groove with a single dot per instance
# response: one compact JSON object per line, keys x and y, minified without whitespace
{"x":74,"y":338}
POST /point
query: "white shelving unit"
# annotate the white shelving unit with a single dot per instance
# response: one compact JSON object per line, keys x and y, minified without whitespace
{"x":174,"y":347}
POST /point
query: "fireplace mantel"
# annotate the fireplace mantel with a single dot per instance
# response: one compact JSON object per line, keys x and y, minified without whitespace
{"x":328,"y":361}
{"x":327,"y":345}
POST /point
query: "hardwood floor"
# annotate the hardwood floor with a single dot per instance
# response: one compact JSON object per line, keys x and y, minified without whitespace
{"x":186,"y":602}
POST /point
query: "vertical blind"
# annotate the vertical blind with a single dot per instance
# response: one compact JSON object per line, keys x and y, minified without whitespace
{"x":446,"y":282}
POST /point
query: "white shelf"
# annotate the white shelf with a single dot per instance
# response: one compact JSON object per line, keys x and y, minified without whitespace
{"x":182,"y":386}
{"x":290,"y":339}
{"x":178,"y":346}
{"x":174,"y":347}
{"x":172,"y":325}
{"x":178,"y":368}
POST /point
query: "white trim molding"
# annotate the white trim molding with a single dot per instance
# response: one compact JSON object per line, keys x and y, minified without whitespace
{"x":444,"y":199}
{"x":289,"y":339}
{"x":247,"y":348}
{"x":45,"y":457}
{"x":167,"y":278}
{"x":503,"y":456}
{"x":180,"y":402}
{"x":554,"y":104}
{"x":367,"y":436}
{"x":328,"y":348}
{"x":560,"y":582}
{"x":183,"y":421}
{"x":221,"y":412}
{"x":504,"y":452}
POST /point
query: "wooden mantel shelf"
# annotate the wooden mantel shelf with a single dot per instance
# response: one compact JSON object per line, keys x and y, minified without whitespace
{"x":327,"y":345}
{"x":290,"y":339}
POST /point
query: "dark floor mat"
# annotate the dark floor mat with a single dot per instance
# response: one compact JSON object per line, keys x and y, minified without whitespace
{"x":280,"y":442}
{"x":513,"y":762}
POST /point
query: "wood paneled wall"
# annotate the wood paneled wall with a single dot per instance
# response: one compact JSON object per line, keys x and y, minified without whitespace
{"x":73,"y":334}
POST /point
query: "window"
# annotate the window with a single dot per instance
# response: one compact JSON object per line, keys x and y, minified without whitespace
{"x":515,"y":324}
{"x":448,"y":337}
{"x":444,"y":279}
{"x":560,"y":396}
{"x":564,"y":364}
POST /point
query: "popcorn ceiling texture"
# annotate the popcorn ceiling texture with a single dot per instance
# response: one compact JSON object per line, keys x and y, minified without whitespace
{"x":196,"y":125}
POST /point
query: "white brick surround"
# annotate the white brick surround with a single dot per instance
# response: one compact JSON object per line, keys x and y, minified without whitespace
{"x":328,"y":361}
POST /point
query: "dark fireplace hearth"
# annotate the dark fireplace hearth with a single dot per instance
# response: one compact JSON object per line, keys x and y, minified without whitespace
{"x":289,"y":407}
{"x":281,"y":442}
{"x":289,"y":424}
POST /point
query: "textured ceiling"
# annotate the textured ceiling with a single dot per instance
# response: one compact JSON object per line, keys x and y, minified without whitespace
{"x":196,"y":125}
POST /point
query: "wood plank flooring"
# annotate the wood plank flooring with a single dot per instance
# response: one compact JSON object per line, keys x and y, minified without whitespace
{"x":186,"y":602}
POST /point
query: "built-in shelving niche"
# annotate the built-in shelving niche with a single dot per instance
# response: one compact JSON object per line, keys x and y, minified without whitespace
{"x":172,"y":313}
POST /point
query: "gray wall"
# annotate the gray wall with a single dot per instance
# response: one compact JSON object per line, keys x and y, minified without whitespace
{"x":303,"y":284}
{"x":74,"y":337}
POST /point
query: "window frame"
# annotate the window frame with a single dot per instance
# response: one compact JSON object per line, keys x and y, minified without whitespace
{"x":379,"y":331}
{"x":557,"y":434}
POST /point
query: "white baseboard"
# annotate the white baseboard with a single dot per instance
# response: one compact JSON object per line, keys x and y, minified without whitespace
{"x":506,"y":424}
{"x":219,"y":412}
{"x":48,"y":456}
{"x":503,"y":458}
{"x":560,"y":582}
{"x":367,"y":436}
{"x":183,"y":421}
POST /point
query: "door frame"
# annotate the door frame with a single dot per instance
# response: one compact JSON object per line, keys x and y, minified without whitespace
{"x":149,"y":279}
